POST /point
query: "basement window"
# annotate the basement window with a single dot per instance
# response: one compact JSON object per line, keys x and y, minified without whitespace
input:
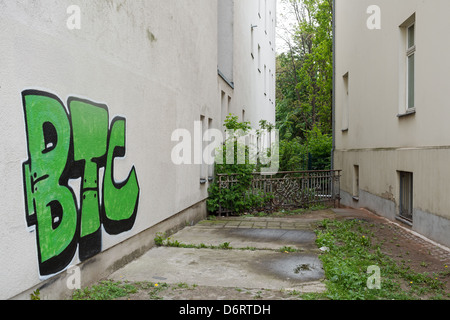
{"x":356,"y":183}
{"x":406,"y":196}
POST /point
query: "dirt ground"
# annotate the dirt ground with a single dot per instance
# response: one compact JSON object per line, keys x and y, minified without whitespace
{"x":410,"y":250}
{"x":199,"y":293}
{"x":407,"y":248}
{"x":402,"y":245}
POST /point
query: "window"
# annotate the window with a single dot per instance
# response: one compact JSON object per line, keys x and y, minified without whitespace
{"x":270,"y":85}
{"x":265,"y":80}
{"x":265,"y":16}
{"x":199,"y":153}
{"x":225,"y":106}
{"x":225,"y":40}
{"x":259,"y":58}
{"x":270,"y":33}
{"x":211,"y":166}
{"x":407,"y":67}
{"x":356,"y":183}
{"x":345,"y":103}
{"x":406,"y":195}
{"x":274,"y":90}
{"x":410,"y":54}
{"x":252,"y":39}
{"x":259,"y":8}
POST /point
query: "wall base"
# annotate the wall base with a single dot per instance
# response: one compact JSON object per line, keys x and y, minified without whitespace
{"x":429,"y":225}
{"x":111,"y":260}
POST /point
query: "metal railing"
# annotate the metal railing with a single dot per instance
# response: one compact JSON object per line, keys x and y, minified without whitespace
{"x":285,"y":190}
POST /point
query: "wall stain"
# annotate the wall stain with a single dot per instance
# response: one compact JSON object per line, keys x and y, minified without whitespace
{"x":151,"y":37}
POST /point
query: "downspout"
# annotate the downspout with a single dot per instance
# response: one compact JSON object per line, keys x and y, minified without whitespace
{"x":333,"y":103}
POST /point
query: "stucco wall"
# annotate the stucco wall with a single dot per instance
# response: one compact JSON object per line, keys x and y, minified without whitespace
{"x":370,"y":53}
{"x":89,"y":98}
{"x":258,"y":100}
{"x":373,"y":58}
{"x":151,"y":63}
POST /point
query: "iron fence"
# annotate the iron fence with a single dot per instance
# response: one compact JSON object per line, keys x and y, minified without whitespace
{"x":285,"y":190}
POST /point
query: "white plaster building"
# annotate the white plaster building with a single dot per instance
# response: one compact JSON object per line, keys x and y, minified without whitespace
{"x":89,"y":98}
{"x":247,"y":55}
{"x":392,"y":138}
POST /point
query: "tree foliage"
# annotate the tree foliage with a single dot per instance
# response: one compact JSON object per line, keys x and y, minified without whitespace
{"x":304,"y":86}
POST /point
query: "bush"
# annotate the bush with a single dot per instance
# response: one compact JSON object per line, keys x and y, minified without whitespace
{"x":319,"y":147}
{"x":238,"y":197}
{"x":312,"y":154}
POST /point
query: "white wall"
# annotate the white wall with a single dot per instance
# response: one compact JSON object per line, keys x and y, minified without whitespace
{"x":377,"y":139}
{"x":225,"y":16}
{"x":258,"y":99}
{"x":152,"y":62}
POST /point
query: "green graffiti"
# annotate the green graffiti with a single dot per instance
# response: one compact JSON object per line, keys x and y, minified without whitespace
{"x":117,"y":212}
{"x":76,"y":145}
{"x":55,"y":213}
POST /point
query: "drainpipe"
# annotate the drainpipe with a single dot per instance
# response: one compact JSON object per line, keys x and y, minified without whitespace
{"x":333,"y":103}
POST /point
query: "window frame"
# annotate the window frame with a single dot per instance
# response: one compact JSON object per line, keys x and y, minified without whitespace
{"x":405,"y":52}
{"x":406,"y":196}
{"x":345,"y":123}
{"x":410,"y":52}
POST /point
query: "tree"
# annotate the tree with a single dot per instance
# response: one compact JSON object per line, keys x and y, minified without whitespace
{"x":304,"y":85}
{"x":305,"y":70}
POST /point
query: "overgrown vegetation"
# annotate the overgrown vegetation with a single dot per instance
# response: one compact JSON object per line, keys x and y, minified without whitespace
{"x":113,"y":290}
{"x":351,"y":250}
{"x":239,"y":197}
{"x":304,"y":87}
{"x":105,"y":290}
{"x":162,"y":240}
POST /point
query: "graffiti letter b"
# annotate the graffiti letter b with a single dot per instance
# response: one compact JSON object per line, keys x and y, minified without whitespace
{"x":50,"y":202}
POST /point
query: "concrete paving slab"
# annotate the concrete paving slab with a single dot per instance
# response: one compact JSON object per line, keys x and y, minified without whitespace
{"x":259,"y":238}
{"x":227,"y":268}
{"x":265,"y":266}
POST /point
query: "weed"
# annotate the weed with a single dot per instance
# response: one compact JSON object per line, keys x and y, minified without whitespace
{"x":287,"y":249}
{"x":159,"y":239}
{"x":248,"y":248}
{"x":182,"y":285}
{"x":156,"y":289}
{"x":105,"y":290}
{"x":346,"y":264}
{"x":258,"y":295}
{"x":36,"y":295}
{"x":225,"y":246}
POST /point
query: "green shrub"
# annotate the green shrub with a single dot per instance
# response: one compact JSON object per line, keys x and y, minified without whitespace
{"x":238,"y":197}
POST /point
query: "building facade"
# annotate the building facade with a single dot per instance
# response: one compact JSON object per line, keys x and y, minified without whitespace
{"x":91,"y":95}
{"x":247,"y":55}
{"x":391,"y":134}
